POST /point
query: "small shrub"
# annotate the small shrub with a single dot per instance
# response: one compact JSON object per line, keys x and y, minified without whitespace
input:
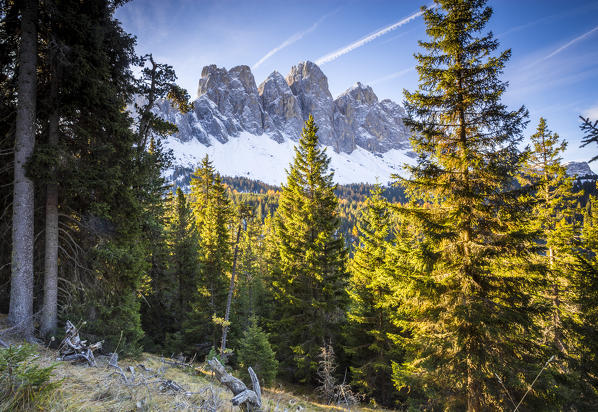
{"x":24,"y":386}
{"x":255,"y":351}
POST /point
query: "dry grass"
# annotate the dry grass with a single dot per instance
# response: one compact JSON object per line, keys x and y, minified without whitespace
{"x":84,"y":388}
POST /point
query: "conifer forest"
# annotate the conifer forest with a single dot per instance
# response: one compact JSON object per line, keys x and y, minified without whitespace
{"x":469,"y":283}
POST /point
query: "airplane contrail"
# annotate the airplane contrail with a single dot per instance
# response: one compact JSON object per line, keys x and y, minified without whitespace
{"x":338,"y":53}
{"x":575,"y":40}
{"x":294,"y":38}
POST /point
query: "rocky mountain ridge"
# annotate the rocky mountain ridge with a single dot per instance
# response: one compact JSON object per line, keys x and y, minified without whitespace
{"x":250,"y":130}
{"x":230,"y":103}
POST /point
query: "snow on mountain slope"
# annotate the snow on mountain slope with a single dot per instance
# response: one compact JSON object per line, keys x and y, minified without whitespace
{"x":261,"y":158}
{"x":250,"y":131}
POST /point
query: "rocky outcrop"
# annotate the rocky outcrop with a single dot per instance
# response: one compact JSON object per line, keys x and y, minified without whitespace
{"x":374,"y":125}
{"x":235,"y":94}
{"x":281,"y":106}
{"x":229,"y":102}
{"x":310,"y":85}
{"x":579,"y":169}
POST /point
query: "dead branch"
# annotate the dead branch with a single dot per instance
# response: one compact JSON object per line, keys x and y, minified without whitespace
{"x":72,"y":348}
{"x":246,"y":399}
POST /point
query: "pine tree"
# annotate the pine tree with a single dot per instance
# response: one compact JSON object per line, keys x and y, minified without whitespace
{"x":371,"y":332}
{"x":585,"y":288}
{"x":553,"y":219}
{"x":243,"y":214}
{"x":467,"y":310}
{"x":309,"y":282}
{"x":250,"y":291}
{"x":255,"y":352}
{"x":211,"y":209}
{"x":173,"y":289}
{"x":184,"y":258}
{"x":101,"y":183}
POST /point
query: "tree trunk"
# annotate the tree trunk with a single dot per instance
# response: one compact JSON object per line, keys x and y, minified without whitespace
{"x":473,"y":390}
{"x":50,"y":307}
{"x":21,"y":286}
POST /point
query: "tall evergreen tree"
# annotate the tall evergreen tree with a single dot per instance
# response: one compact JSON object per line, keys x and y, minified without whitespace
{"x":211,"y":208}
{"x":585,"y":288}
{"x":21,"y":287}
{"x":372,"y":336}
{"x":99,"y":180}
{"x":184,"y":259}
{"x":554,"y":221}
{"x":173,"y":289}
{"x":469,"y":310}
{"x":309,"y":283}
{"x":249,"y":296}
{"x":243,"y":214}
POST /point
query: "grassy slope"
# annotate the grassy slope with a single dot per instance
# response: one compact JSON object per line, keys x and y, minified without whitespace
{"x":85,"y":388}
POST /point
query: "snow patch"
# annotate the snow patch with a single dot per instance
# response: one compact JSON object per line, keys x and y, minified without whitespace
{"x":262,"y":158}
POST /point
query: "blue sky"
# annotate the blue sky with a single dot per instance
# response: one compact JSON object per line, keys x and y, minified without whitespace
{"x":553,"y":69}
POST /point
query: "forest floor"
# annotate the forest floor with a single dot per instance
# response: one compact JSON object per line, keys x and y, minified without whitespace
{"x":102,"y":388}
{"x":85,"y":388}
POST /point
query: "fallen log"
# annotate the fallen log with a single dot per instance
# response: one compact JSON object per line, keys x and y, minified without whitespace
{"x":72,"y":348}
{"x":248,"y":400}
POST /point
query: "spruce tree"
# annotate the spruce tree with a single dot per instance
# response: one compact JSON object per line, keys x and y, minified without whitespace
{"x":243,"y":215}
{"x":183,"y":262}
{"x":467,"y":310}
{"x":554,"y":221}
{"x":309,"y":280}
{"x":255,"y":352}
{"x":211,"y":209}
{"x":172,"y":289}
{"x":371,"y":332}
{"x":585,"y":288}
{"x":249,"y":296}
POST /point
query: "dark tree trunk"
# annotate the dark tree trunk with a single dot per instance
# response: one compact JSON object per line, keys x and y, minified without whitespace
{"x":21,"y":290}
{"x":50,"y":307}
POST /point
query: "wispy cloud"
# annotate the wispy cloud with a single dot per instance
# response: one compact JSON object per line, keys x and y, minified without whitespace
{"x":294,"y":38}
{"x":572,"y":42}
{"x":398,"y":36}
{"x":564,"y":71}
{"x":592,"y":113}
{"x":349,"y":48}
{"x":391,"y":76}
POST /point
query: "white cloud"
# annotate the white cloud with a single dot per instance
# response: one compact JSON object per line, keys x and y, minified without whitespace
{"x":572,"y":42}
{"x":349,"y":48}
{"x":294,"y":38}
{"x":592,"y":113}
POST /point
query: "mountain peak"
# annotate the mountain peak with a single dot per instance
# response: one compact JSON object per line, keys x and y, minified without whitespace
{"x":233,"y":114}
{"x":361,"y":93}
{"x":579,"y":169}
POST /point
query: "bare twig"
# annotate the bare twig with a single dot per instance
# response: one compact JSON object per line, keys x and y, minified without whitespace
{"x":532,"y":385}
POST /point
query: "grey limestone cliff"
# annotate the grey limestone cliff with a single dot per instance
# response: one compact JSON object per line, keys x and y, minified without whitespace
{"x":229,"y":102}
